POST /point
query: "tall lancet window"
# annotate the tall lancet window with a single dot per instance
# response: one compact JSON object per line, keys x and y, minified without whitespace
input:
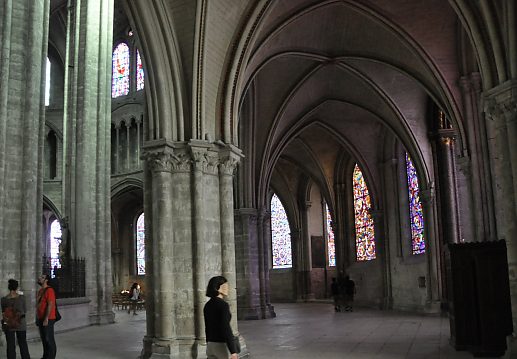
{"x":416,"y":214}
{"x":364,"y":228}
{"x":139,"y":72}
{"x":280,"y":235}
{"x":55,"y":241}
{"x":120,"y":71}
{"x":47,"y":82}
{"x":140,"y":245}
{"x":331,"y":246}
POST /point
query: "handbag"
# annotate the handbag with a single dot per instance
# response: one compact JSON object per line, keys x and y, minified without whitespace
{"x":58,"y":315}
{"x":237,"y":344}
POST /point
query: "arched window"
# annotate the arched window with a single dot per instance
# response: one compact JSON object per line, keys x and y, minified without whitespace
{"x":55,"y":241}
{"x":140,"y":245}
{"x":139,"y":72}
{"x":280,"y":235}
{"x":364,"y":229}
{"x":47,"y":83}
{"x":331,"y":246}
{"x":416,"y":214}
{"x":120,"y":71}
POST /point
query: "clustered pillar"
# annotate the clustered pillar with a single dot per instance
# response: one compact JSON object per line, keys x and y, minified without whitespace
{"x":501,"y":123}
{"x":191,"y":237}
{"x":23,"y":51}
{"x":87,"y":143}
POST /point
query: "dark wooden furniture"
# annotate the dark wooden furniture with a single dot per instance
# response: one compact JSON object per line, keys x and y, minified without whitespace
{"x":479,"y":297}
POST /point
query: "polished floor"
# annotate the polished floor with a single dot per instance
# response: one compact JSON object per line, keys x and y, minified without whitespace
{"x":306,"y":330}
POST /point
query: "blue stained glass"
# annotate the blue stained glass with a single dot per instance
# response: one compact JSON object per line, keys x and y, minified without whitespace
{"x":140,"y":245}
{"x":120,"y":71}
{"x":139,"y":72}
{"x":331,"y":245}
{"x":280,"y":235}
{"x":416,"y":213}
{"x":364,"y":227}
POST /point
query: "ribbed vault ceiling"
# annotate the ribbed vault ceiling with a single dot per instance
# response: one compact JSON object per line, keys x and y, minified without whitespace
{"x":355,"y":68}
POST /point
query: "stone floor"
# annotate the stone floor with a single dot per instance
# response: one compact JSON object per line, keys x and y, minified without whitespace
{"x":310,"y":330}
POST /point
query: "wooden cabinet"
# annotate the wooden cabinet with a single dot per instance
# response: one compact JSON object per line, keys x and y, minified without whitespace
{"x":479,"y":297}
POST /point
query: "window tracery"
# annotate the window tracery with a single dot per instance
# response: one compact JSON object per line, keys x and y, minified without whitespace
{"x":364,"y":227}
{"x":280,"y":235}
{"x":120,"y":70}
{"x":140,"y":245}
{"x":416,"y":214}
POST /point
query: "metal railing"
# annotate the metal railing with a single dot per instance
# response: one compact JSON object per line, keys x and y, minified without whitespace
{"x":68,"y":276}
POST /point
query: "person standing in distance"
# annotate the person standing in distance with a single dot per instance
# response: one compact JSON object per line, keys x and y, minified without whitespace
{"x":219,"y":334}
{"x":46,"y":316}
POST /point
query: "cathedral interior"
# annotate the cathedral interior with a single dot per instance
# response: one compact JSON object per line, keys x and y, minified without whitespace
{"x":279,"y":143}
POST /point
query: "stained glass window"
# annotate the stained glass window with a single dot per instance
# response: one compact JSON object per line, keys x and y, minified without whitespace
{"x":139,"y":72}
{"x":364,"y":228}
{"x":331,"y":246}
{"x":281,"y":235}
{"x":120,"y":71}
{"x":140,"y":245}
{"x":55,"y":241}
{"x":47,"y":83}
{"x":416,"y":213}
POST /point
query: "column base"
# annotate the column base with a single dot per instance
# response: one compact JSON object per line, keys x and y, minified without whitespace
{"x":306,"y":297}
{"x":433,"y":307}
{"x":244,"y":350}
{"x":155,"y":348}
{"x":249,"y":313}
{"x":511,"y":343}
{"x":102,"y":318}
{"x":387,"y":303}
{"x":268,"y":312}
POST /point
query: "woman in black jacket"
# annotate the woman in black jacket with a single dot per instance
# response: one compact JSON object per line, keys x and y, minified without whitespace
{"x":219,"y":335}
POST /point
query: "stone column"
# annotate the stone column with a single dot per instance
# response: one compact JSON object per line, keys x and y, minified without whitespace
{"x":500,"y":107}
{"x":149,"y":255}
{"x":304,"y":258}
{"x":434,"y":254}
{"x":247,"y":264}
{"x":117,"y":148}
{"x":87,"y":123}
{"x":445,"y":138}
{"x":264,"y":240}
{"x":340,"y":231}
{"x":200,"y":163}
{"x":384,"y":255}
{"x":23,"y":49}
{"x":128,"y":145}
{"x":479,"y":176}
{"x":229,"y":157}
{"x":138,"y":164}
{"x":160,"y":250}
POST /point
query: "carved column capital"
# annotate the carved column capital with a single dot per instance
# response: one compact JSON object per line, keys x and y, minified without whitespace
{"x":264,"y":214}
{"x":249,"y":213}
{"x":229,"y":158}
{"x":465,"y":84}
{"x":227,"y":165}
{"x":204,"y":161}
{"x":475,"y":79}
{"x":158,"y":160}
{"x":501,"y":102}
{"x":181,"y":162}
